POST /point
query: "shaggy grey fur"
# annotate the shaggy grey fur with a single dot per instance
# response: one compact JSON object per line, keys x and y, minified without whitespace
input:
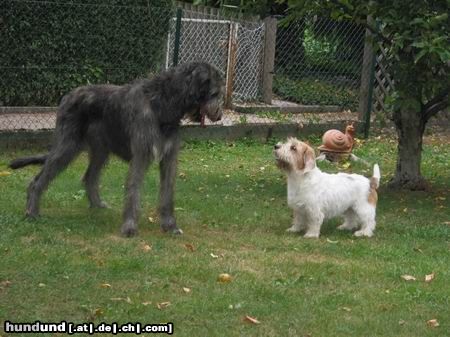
{"x":139,"y":122}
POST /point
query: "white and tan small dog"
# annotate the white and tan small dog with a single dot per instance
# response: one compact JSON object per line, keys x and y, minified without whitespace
{"x":315,"y":196}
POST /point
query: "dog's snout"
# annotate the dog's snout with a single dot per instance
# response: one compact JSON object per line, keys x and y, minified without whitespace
{"x":277,"y":146}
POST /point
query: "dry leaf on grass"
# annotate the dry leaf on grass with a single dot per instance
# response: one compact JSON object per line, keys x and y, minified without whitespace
{"x":105,"y":285}
{"x":346,"y":309}
{"x":5,"y":173}
{"x":146,"y":303}
{"x":41,"y":285}
{"x":97,"y":312}
{"x":224,"y":278}
{"x":190,"y":247}
{"x":4,"y":284}
{"x":186,"y":290}
{"x":331,"y":241}
{"x":151,"y":219}
{"x":214,"y":256}
{"x":429,"y":277}
{"x":408,"y":277}
{"x":401,"y":322}
{"x":433,"y":323}
{"x":251,"y":320}
{"x":146,"y":248}
{"x":128,"y":300}
{"x":447,"y":223}
{"x":162,"y":305}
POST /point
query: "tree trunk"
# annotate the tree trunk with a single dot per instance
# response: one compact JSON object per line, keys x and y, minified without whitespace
{"x":410,"y":128}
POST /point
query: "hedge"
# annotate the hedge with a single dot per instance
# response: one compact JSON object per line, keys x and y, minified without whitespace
{"x":50,"y":47}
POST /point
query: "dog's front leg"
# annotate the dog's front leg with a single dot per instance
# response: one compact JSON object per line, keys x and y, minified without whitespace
{"x":167,"y":173}
{"x":298,"y":223}
{"x":136,"y":173}
{"x":314,"y":218}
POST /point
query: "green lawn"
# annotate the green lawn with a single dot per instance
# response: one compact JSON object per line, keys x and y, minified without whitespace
{"x":71,"y":264}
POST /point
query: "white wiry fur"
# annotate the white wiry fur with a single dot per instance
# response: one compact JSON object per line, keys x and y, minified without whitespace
{"x":315,"y":195}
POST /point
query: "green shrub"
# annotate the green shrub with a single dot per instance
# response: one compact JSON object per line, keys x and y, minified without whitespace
{"x":314,"y":92}
{"x":49,"y":48}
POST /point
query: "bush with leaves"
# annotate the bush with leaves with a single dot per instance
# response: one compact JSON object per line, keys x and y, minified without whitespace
{"x":49,"y":48}
{"x":310,"y":91}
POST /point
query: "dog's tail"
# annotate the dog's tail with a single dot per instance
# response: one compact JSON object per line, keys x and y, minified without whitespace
{"x":375,"y":179}
{"x":25,"y":161}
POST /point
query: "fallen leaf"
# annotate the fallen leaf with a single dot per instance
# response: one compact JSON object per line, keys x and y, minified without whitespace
{"x":331,"y":241}
{"x":251,"y":320}
{"x":401,"y":322}
{"x":190,"y":246}
{"x":162,"y":305}
{"x":405,"y":209}
{"x":408,"y":277}
{"x":433,"y":323}
{"x":146,"y":303}
{"x":105,"y":285}
{"x":5,"y":284}
{"x":447,"y":223}
{"x":146,"y":248}
{"x":429,"y":277}
{"x":186,"y":290}
{"x":346,"y":309}
{"x":128,"y":300}
{"x":182,"y":175}
{"x":417,"y":249}
{"x":5,"y":173}
{"x":97,"y":312}
{"x":214,"y":256}
{"x":151,"y":220}
{"x":41,"y":285}
{"x":224,"y":278}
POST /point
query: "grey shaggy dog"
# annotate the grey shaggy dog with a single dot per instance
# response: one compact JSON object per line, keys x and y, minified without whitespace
{"x":139,"y":122}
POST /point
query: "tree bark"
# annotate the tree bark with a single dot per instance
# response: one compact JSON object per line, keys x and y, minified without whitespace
{"x":410,"y":127}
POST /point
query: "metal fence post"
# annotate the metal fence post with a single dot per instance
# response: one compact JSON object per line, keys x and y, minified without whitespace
{"x":231,"y":66}
{"x":270,"y":33}
{"x":176,"y":49}
{"x":367,"y":78}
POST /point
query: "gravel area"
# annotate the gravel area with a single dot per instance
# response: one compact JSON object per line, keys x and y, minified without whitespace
{"x":46,"y":120}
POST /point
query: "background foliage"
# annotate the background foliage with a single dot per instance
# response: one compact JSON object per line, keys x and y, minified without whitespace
{"x":55,"y":46}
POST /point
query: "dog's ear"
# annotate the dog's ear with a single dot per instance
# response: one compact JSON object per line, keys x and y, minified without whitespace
{"x":309,"y":158}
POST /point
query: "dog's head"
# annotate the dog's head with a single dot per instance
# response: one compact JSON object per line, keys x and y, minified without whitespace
{"x":294,"y":156}
{"x":205,"y":90}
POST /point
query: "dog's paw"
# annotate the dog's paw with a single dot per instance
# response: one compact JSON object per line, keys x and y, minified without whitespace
{"x":363,"y":232}
{"x":31,"y":214}
{"x":345,"y":227}
{"x":311,"y":235}
{"x":129,"y":229}
{"x":177,"y":231}
{"x":293,"y":229}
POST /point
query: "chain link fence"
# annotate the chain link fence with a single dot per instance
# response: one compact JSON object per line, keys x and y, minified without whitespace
{"x":319,"y":62}
{"x":51,"y":47}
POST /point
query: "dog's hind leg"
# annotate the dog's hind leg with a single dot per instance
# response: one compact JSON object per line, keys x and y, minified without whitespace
{"x":58,"y":159}
{"x":136,"y":173}
{"x":167,"y":173}
{"x":98,"y":156}
{"x":366,"y":215}
{"x":350,"y":220}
